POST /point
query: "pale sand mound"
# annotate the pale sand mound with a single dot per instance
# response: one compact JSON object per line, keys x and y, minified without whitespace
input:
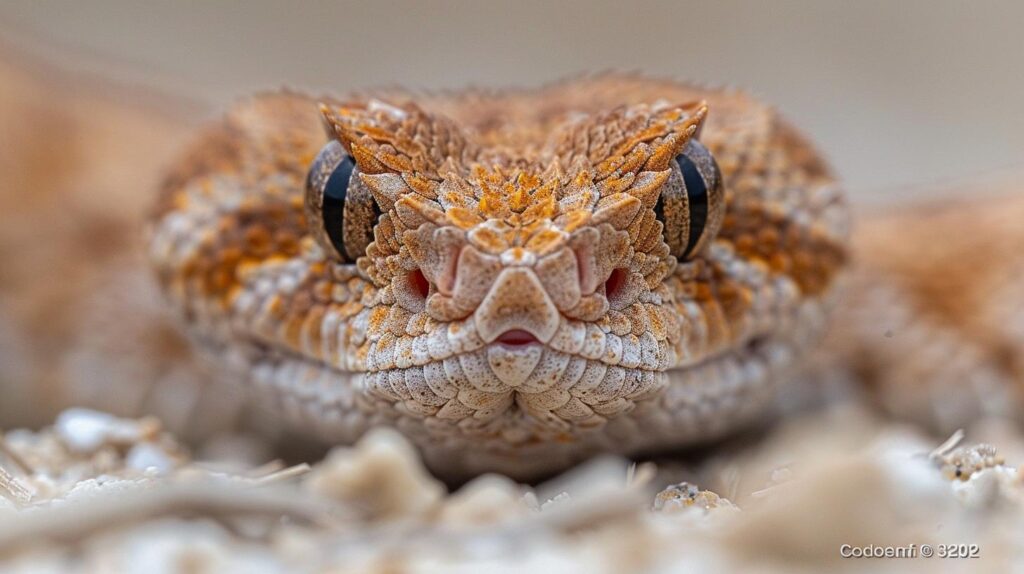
{"x":98,"y":494}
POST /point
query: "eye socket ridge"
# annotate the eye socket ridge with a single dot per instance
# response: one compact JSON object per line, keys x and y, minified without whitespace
{"x":691,"y":204}
{"x":697,"y":194}
{"x":333,"y":206}
{"x":340,"y":209}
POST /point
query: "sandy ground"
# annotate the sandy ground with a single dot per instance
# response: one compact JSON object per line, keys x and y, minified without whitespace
{"x":98,"y":494}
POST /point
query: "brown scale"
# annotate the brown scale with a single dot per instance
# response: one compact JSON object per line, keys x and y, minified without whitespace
{"x":218,"y":151}
{"x":244,"y":238}
{"x":811,"y":261}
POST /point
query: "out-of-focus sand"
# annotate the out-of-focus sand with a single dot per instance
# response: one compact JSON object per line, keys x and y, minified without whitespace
{"x":96,"y":494}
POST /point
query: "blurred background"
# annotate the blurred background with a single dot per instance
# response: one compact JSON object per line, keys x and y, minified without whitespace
{"x":906,"y":98}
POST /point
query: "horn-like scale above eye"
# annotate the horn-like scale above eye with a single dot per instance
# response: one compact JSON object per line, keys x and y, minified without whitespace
{"x":340,"y":209}
{"x":692,"y":204}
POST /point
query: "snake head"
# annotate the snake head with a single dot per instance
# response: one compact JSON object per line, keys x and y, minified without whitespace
{"x":540,"y":250}
{"x":541,"y":274}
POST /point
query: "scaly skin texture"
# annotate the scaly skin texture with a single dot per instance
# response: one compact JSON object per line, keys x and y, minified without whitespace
{"x":930,"y":323}
{"x":933,"y":317}
{"x":517,"y":208}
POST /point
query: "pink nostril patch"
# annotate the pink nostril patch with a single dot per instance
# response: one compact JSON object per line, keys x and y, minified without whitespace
{"x":516,"y":337}
{"x":419,"y":283}
{"x":616,"y":281}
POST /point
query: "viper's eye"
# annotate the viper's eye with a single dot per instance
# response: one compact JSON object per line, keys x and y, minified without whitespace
{"x":339,"y":208}
{"x":692,"y":204}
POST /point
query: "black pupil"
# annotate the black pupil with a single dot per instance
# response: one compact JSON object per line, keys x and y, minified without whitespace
{"x":697,"y":196}
{"x":334,"y":202}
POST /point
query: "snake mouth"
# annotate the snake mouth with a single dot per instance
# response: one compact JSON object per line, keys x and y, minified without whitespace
{"x":517,"y":338}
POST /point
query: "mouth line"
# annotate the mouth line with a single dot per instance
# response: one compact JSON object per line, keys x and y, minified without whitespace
{"x":519,"y":339}
{"x":751,"y":346}
{"x":516,"y":338}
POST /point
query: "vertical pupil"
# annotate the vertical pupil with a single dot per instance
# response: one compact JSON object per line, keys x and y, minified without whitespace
{"x":334,"y":203}
{"x":697,"y":196}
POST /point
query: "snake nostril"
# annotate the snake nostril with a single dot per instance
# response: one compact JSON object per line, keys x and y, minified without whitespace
{"x":419,"y":283}
{"x":615,"y":282}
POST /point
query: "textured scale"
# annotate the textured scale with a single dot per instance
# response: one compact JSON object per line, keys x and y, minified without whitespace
{"x":517,"y":208}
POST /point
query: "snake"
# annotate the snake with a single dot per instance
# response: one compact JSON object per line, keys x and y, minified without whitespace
{"x":514,"y":279}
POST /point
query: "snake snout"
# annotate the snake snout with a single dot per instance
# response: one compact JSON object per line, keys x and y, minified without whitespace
{"x":517,"y":305}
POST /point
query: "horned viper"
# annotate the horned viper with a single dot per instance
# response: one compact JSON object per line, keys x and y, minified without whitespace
{"x":521,"y":279}
{"x":514,"y":279}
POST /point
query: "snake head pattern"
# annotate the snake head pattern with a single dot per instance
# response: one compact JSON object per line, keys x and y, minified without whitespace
{"x":515,"y":280}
